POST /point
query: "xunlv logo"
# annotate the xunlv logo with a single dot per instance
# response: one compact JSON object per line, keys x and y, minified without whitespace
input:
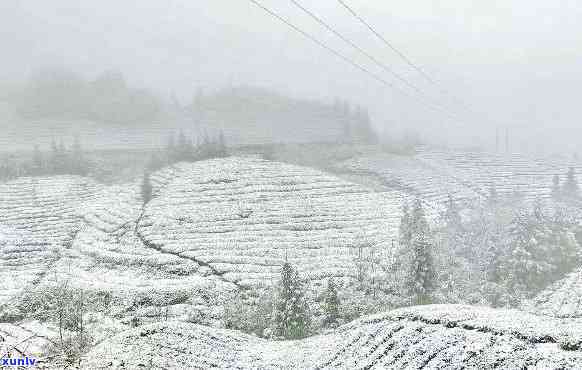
{"x":26,"y":361}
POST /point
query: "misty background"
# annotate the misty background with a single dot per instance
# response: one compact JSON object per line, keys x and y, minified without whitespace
{"x":515,"y":64}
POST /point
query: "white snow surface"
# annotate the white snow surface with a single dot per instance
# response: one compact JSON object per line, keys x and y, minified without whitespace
{"x":432,"y":337}
{"x":561,"y":299}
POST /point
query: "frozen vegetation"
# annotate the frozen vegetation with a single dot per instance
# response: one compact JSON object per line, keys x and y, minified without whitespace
{"x":244,"y":262}
{"x":434,"y":336}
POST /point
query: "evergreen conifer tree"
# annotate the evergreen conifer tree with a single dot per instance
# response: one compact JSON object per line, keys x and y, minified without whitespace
{"x":54,"y":162}
{"x":405,"y":236}
{"x":571,"y":189}
{"x":332,"y":304}
{"x":529,"y":265}
{"x":37,"y":163}
{"x":421,"y":279}
{"x":290,"y":316}
{"x":221,"y":145}
{"x":556,"y":191}
{"x":146,"y":188}
{"x":78,"y":160}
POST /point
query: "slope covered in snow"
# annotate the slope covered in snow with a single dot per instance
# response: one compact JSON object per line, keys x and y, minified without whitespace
{"x":45,"y":207}
{"x":561,"y":299}
{"x":38,"y":219}
{"x":437,"y":336}
{"x":212,"y":228}
{"x":433,"y":174}
{"x":241,"y":217}
{"x":24,"y":260}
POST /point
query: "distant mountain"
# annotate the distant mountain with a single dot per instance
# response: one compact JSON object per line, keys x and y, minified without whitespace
{"x":249,"y":115}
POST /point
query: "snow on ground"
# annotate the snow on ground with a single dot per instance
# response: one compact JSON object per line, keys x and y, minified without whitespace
{"x":45,"y":207}
{"x":243,"y":216}
{"x":23,"y":261}
{"x":433,"y":174}
{"x":438,"y":336}
{"x":108,"y":256}
{"x":38,"y":217}
{"x":561,"y":299}
{"x":28,"y":339}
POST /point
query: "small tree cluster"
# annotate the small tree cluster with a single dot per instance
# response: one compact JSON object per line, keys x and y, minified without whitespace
{"x":355,"y":123}
{"x":66,"y":307}
{"x":146,"y":188}
{"x":331,"y":305}
{"x":417,"y":252}
{"x":290,"y":312}
{"x":569,"y":191}
{"x":184,"y":149}
{"x":60,"y":160}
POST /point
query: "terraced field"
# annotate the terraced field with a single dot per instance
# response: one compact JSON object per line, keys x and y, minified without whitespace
{"x":433,"y":174}
{"x":242,"y":217}
{"x":24,"y":261}
{"x":212,"y":228}
{"x":45,"y":207}
{"x":439,"y":336}
{"x":108,"y":256}
{"x":38,"y":219}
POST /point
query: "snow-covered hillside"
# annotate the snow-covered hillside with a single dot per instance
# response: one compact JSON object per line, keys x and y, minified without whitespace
{"x":242,"y":217}
{"x":24,"y":260}
{"x":45,"y":207}
{"x":38,"y":219}
{"x":561,"y":299}
{"x":439,"y":336}
{"x":433,"y":174}
{"x":212,"y":228}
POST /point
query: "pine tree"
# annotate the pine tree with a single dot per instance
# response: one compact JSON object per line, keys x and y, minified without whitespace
{"x":566,"y":254}
{"x":452,"y":215}
{"x":290,"y":316}
{"x":146,"y":188}
{"x":421,"y":279}
{"x":182,"y":147}
{"x":37,"y":161}
{"x":54,"y":166}
{"x":332,"y":305}
{"x":453,"y":228}
{"x":405,"y":235}
{"x":571,"y":189}
{"x":493,"y":197}
{"x":221,"y":145}
{"x":171,"y":149}
{"x":418,"y":224}
{"x":63,"y":163}
{"x":528,"y":264}
{"x":556,"y":191}
{"x":77,"y":160}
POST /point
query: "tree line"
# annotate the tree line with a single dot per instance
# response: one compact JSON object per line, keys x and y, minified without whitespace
{"x":180,"y":148}
{"x":58,"y":160}
{"x":497,"y":251}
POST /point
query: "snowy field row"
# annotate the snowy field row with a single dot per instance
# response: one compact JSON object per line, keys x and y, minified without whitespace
{"x":433,"y":337}
{"x":244,"y":216}
{"x":433,"y":174}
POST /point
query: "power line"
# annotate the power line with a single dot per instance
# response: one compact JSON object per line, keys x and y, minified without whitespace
{"x":338,"y":54}
{"x":389,"y":44}
{"x":401,"y":54}
{"x":364,"y":52}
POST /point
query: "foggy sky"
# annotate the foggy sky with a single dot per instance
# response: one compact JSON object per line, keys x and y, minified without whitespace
{"x":515,"y":63}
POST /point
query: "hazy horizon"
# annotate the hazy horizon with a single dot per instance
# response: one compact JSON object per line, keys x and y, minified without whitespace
{"x":515,"y":64}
